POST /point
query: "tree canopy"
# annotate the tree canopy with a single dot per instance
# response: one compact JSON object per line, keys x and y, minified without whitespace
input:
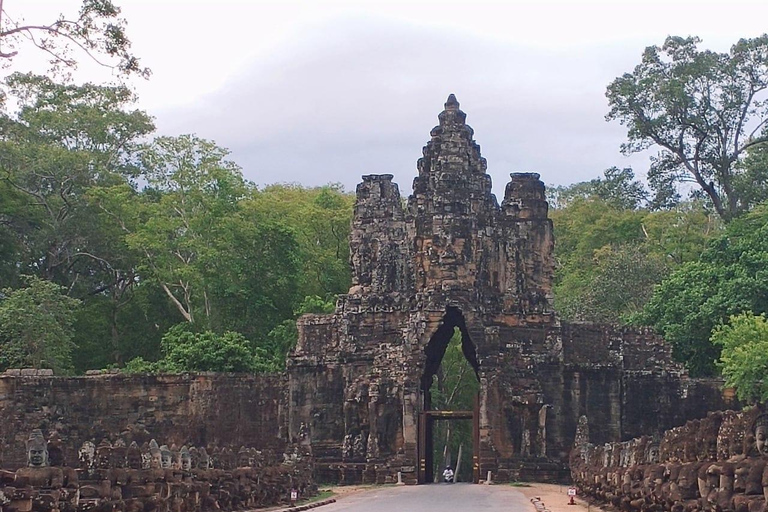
{"x":728,"y":279}
{"x":703,"y":110}
{"x":744,"y":359}
{"x":613,"y":246}
{"x":148,"y":232}
{"x":36,"y":327}
{"x":96,"y":32}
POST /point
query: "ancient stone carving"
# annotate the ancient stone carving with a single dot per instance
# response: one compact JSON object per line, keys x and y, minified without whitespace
{"x":760,"y":431}
{"x":690,"y":479}
{"x":37,"y":450}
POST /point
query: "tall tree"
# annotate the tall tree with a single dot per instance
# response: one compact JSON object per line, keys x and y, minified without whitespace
{"x":36,"y":327}
{"x":618,"y":187}
{"x":321,"y":218}
{"x":61,"y":140}
{"x":703,"y":109}
{"x":57,"y":144}
{"x":96,"y":32}
{"x":728,"y":279}
{"x":609,"y":258}
{"x":744,"y":357}
{"x":173,"y":223}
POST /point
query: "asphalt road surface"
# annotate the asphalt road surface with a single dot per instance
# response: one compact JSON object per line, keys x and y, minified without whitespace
{"x":434,"y":498}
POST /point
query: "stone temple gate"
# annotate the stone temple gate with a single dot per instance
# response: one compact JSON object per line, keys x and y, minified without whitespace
{"x":452,"y":257}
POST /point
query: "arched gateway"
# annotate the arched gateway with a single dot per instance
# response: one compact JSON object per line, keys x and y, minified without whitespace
{"x":454,"y":258}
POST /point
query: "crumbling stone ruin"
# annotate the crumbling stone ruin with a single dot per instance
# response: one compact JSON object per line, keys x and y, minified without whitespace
{"x":357,"y":391}
{"x":453,"y":257}
{"x":716,"y":463}
{"x":115,"y":477}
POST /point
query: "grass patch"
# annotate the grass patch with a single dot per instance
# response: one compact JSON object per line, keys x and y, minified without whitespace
{"x":322,"y":494}
{"x":519,"y":484}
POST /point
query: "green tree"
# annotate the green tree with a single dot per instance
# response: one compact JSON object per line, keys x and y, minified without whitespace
{"x":617,"y":187}
{"x":62,"y":140}
{"x":702,"y":108}
{"x":619,"y":284}
{"x":729,"y":278}
{"x":59,"y":143}
{"x":96,"y":32}
{"x":744,"y":355}
{"x":173,"y":224}
{"x":187,"y":351}
{"x":609,"y":258}
{"x":321,"y":218}
{"x":36,"y":327}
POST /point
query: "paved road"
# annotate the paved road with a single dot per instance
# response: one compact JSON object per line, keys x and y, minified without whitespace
{"x":434,"y":498}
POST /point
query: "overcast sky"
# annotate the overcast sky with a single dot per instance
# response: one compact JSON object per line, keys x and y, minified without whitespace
{"x":317,"y":92}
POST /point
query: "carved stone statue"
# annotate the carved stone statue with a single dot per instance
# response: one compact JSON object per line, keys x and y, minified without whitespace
{"x":103,"y":454}
{"x":185,"y":459}
{"x":760,"y":430}
{"x":525,"y":444}
{"x":358,"y":448}
{"x":243,"y":458}
{"x":204,"y":461}
{"x":155,"y":457}
{"x":542,"y":433}
{"x":133,"y":456}
{"x":37,"y":450}
{"x":652,"y":453}
{"x":582,"y":431}
{"x":346,"y":447}
{"x":166,"y":457}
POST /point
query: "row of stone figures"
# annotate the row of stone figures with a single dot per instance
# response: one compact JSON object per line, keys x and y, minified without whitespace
{"x":719,"y":463}
{"x":114,"y":477}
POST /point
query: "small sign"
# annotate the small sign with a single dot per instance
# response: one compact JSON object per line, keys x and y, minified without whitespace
{"x":294,"y":495}
{"x":571,"y":491}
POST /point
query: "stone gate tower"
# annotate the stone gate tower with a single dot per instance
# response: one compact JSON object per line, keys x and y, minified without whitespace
{"x":454,"y":258}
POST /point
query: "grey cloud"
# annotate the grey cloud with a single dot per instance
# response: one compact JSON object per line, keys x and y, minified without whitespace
{"x":359,"y":97}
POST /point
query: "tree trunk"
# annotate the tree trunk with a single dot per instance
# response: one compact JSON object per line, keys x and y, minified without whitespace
{"x":458,"y":464}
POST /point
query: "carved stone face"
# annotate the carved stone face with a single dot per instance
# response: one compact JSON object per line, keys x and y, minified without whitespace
{"x":186,"y":461}
{"x":37,"y":449}
{"x":155,"y":461}
{"x":166,"y":459}
{"x":134,"y":459}
{"x":653,"y":454}
{"x":38,"y":456}
{"x":761,"y":439}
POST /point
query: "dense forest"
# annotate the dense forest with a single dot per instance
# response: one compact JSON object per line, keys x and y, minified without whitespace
{"x":117,"y":245}
{"x":123,"y":249}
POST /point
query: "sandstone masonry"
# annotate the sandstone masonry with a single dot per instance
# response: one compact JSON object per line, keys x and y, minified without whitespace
{"x":453,"y":257}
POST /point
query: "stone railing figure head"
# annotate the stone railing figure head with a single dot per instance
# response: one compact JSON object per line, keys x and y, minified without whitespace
{"x":133,"y":456}
{"x":203,"y":461}
{"x":37,"y":449}
{"x":185,"y":459}
{"x":652,"y":452}
{"x":760,"y":432}
{"x":166,"y":457}
{"x":155,"y":457}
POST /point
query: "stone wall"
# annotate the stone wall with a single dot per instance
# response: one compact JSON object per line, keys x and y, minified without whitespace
{"x":715,"y":463}
{"x":128,"y":479}
{"x":194,"y":409}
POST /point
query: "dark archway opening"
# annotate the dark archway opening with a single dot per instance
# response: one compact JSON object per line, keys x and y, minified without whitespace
{"x":453,"y":326}
{"x":450,"y":385}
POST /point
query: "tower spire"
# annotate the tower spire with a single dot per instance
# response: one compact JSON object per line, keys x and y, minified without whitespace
{"x":452,"y":116}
